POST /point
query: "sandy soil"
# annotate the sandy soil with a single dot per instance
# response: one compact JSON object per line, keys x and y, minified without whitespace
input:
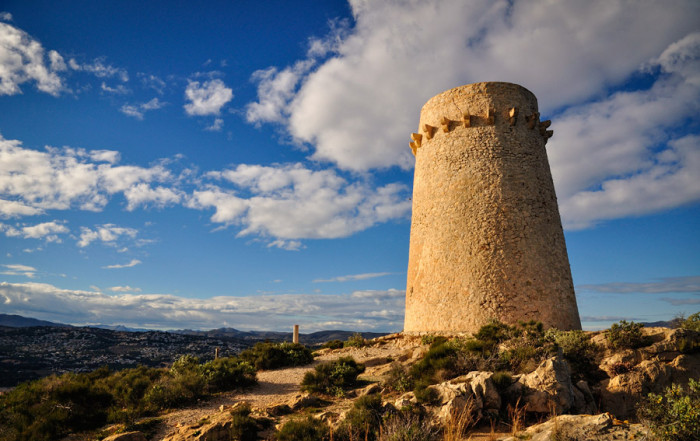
{"x":282,"y":385}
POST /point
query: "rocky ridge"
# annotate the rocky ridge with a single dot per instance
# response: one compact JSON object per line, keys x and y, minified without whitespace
{"x":570,"y":409}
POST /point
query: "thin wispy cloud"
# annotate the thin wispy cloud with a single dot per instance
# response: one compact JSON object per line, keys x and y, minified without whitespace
{"x":125,"y":288}
{"x":19,"y":270}
{"x":352,"y":277}
{"x":689,"y":284}
{"x":133,"y":263}
{"x":363,"y":310}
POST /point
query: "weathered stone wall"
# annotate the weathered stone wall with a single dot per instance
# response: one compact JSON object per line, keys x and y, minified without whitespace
{"x":486,"y":236}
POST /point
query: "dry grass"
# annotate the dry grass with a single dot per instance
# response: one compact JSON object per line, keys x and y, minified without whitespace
{"x":516,"y":414}
{"x":459,"y":422}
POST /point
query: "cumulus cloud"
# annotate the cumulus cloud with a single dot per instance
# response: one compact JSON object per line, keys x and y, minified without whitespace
{"x":137,"y":110}
{"x":33,"y":181}
{"x":23,"y":59}
{"x":356,"y":107}
{"x":5,"y":16}
{"x":131,"y":264}
{"x":206,"y":98}
{"x":48,"y":231}
{"x":352,"y":277}
{"x":365,"y":310}
{"x":109,"y":234}
{"x":292,"y":202}
{"x":120,"y":89}
{"x":216,"y":126}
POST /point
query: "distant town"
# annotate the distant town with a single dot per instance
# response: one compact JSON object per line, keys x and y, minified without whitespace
{"x":31,"y":349}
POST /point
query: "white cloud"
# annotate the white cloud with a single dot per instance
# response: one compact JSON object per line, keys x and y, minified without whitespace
{"x":120,"y":89}
{"x":109,"y":234}
{"x":366,"y":310}
{"x":627,"y":154}
{"x":131,"y":264}
{"x":356,"y":108}
{"x":216,"y":126}
{"x":137,"y":110}
{"x":153,"y":82}
{"x":206,"y":98}
{"x":34,"y":181}
{"x":6,"y":16}
{"x":352,"y":277}
{"x":291,"y":202}
{"x":48,"y":231}
{"x":19,"y":270}
{"x":144,"y":195}
{"x":22,"y":59}
{"x":126,"y":288}
{"x":100,"y":69}
{"x":690,"y":284}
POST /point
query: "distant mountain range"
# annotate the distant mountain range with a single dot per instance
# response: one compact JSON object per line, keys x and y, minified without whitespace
{"x":17,"y":321}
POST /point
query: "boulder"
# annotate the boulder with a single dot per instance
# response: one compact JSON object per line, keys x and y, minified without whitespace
{"x":620,"y":394}
{"x":216,"y":428}
{"x":548,"y":389}
{"x":304,"y":400}
{"x":601,"y":427}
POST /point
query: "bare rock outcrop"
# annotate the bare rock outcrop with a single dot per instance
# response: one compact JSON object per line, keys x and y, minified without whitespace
{"x":601,"y":427}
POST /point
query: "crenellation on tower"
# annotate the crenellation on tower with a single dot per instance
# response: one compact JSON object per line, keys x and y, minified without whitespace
{"x":486,"y":236}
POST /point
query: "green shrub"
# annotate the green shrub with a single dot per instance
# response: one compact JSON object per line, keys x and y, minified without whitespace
{"x":333,"y":344}
{"x":333,"y":377}
{"x":423,"y":393}
{"x":578,"y":349}
{"x":243,"y":426}
{"x":363,"y":420}
{"x":624,"y":335}
{"x":223,"y":374}
{"x":675,"y":414}
{"x":501,"y":380}
{"x":306,"y":429}
{"x":356,"y":341}
{"x":692,"y":322}
{"x":399,"y":378}
{"x":494,"y":332}
{"x":266,"y":355}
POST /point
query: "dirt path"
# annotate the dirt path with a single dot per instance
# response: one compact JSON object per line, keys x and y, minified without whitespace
{"x":280,"y":386}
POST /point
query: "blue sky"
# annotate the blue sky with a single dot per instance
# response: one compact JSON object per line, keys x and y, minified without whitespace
{"x":246,"y":164}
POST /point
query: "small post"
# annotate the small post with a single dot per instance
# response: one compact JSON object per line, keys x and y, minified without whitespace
{"x":295,"y":338}
{"x":216,"y":353}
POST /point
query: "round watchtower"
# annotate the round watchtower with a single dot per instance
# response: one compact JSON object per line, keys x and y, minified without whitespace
{"x":486,"y":236}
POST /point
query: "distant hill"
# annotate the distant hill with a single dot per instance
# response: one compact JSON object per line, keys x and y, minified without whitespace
{"x":17,"y":321}
{"x":309,"y":339}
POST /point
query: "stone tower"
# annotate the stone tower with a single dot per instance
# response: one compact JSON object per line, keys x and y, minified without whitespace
{"x":486,"y":237}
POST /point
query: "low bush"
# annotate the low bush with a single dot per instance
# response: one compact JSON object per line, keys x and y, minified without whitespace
{"x":267,"y":355}
{"x":578,"y":349}
{"x":333,"y":377}
{"x":692,"y":322}
{"x":333,"y":344}
{"x":228,"y":373}
{"x":501,"y":380}
{"x":356,"y":341}
{"x":624,"y":335}
{"x":243,"y":426}
{"x":363,"y":420}
{"x":673,"y":415}
{"x":399,"y":378}
{"x":55,"y":406}
{"x":305,"y":429}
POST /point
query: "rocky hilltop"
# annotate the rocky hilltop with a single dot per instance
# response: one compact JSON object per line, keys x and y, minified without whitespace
{"x":584,"y":390}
